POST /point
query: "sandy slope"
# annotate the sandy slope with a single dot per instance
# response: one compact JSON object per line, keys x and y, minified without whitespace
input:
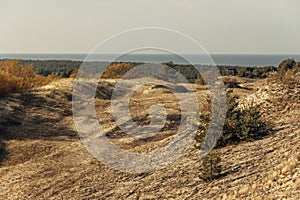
{"x":46,"y":159}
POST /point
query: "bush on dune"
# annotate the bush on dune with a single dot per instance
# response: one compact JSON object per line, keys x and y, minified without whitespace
{"x":15,"y":77}
{"x":116,"y":71}
{"x":211,"y":166}
{"x":242,"y":123}
{"x":288,"y":72}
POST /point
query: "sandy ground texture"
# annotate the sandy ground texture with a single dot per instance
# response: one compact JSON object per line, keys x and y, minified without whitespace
{"x":42,"y":156}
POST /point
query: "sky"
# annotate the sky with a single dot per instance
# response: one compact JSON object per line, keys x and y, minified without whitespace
{"x":225,"y":27}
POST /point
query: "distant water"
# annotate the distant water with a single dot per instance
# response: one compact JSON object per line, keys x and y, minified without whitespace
{"x":219,"y":59}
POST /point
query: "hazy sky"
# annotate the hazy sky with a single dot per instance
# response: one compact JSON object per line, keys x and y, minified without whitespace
{"x":221,"y":26}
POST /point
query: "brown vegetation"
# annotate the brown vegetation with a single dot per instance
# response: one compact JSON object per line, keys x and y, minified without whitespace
{"x":116,"y":71}
{"x":14,"y":77}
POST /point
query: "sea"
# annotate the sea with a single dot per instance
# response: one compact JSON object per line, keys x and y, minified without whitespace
{"x":219,"y":59}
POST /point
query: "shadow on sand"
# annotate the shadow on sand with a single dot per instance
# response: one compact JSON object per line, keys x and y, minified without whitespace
{"x":38,"y":117}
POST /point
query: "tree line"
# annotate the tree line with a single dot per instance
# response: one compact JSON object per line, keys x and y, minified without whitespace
{"x":64,"y":68}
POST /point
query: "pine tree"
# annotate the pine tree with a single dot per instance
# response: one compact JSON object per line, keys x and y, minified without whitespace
{"x":241,"y":123}
{"x":211,"y":166}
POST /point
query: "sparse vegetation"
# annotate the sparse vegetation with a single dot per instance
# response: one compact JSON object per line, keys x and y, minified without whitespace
{"x":14,"y":77}
{"x":242,"y":123}
{"x":211,"y":164}
{"x":116,"y":71}
{"x":287,"y":70}
{"x":286,"y":65}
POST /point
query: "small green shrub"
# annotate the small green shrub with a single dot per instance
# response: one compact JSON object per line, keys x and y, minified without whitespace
{"x":242,"y":123}
{"x":211,"y":164}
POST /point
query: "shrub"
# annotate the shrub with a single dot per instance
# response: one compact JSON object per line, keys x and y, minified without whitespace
{"x":116,"y":71}
{"x":74,"y":73}
{"x":199,"y":80}
{"x":79,"y":72}
{"x":287,"y":70}
{"x":286,"y":65}
{"x":242,"y":123}
{"x":251,"y":124}
{"x":14,"y":77}
{"x":297,"y":68}
{"x":211,"y":164}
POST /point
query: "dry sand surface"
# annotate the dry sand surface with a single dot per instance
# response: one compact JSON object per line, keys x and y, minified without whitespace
{"x":45,"y":159}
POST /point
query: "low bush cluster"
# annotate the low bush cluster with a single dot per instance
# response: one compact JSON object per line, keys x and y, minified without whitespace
{"x":15,"y":77}
{"x":242,"y":123}
{"x":211,"y":166}
{"x":287,"y":70}
{"x":116,"y":71}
